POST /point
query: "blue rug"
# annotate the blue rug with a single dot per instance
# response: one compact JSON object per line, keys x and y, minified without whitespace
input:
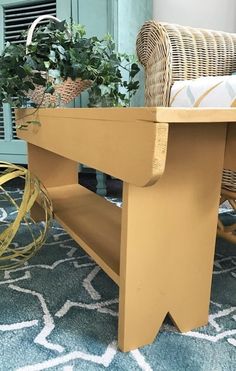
{"x":59,"y":312}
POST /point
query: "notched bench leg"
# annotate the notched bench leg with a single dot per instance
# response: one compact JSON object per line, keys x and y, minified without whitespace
{"x":168,"y":238}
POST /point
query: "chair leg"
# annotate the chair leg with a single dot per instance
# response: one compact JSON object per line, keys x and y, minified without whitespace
{"x":101,"y":188}
{"x":227,"y":232}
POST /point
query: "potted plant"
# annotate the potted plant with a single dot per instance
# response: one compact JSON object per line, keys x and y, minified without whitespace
{"x":58,"y":54}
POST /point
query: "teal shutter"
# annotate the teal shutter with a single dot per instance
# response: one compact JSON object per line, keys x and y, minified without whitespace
{"x":131,"y":16}
{"x":122,"y":19}
{"x":15,"y":17}
{"x":64,"y":9}
{"x":19,"y":17}
{"x":99,"y":16}
{"x":1,"y":125}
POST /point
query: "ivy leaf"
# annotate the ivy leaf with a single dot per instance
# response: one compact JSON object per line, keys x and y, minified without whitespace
{"x":21,"y":72}
{"x":133,"y":85}
{"x":61,"y":26}
{"x":52,"y":56}
{"x":29,"y":85}
{"x":105,"y":89}
{"x":50,"y":89}
{"x":47,"y":65}
{"x":54,"y":73}
{"x":39,"y":80}
{"x":61,"y":49}
{"x":134,"y":70}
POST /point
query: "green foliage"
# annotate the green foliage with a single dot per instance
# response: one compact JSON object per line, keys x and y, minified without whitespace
{"x":57,"y":52}
{"x":114,"y":84}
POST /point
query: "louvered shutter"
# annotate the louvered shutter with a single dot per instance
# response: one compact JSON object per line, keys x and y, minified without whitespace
{"x":17,"y":18}
{"x":1,"y":125}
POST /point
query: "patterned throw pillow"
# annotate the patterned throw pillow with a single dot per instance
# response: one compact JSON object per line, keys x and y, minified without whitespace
{"x":219,"y":91}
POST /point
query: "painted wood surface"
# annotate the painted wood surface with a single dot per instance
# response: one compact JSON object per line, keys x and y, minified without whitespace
{"x":128,"y":149}
{"x":230,"y":149}
{"x":168,"y":237}
{"x":91,"y":221}
{"x":159,"y":248}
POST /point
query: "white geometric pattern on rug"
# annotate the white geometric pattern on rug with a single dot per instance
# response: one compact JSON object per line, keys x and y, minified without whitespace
{"x":104,"y":360}
{"x":66,"y":298}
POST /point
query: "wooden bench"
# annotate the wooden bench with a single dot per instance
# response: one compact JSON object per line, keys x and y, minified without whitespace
{"x":159,"y":247}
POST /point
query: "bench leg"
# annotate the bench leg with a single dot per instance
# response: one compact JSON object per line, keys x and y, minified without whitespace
{"x":168,"y":238}
{"x":52,"y":170}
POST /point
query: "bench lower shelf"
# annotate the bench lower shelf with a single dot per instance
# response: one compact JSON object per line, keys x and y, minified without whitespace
{"x":91,"y":221}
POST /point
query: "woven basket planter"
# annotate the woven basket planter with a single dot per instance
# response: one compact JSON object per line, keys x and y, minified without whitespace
{"x":64,"y":92}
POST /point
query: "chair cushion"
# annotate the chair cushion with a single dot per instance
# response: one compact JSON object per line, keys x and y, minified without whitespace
{"x":219,"y":91}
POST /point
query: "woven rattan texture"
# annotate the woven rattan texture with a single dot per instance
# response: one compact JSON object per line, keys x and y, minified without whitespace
{"x":64,"y":93}
{"x":229,"y":180}
{"x":171,"y":52}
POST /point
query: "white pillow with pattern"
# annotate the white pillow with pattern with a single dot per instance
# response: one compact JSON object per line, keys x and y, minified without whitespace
{"x":219,"y":91}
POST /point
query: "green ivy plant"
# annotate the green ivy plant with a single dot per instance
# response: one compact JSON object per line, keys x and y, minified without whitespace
{"x":115,"y":83}
{"x":59,"y":51}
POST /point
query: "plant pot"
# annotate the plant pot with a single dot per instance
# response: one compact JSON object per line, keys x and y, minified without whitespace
{"x":64,"y":93}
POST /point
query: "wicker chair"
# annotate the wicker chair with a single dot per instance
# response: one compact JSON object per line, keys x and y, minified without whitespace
{"x":171,"y":53}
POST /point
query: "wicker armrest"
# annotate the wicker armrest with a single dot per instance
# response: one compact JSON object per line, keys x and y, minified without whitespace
{"x":171,"y":52}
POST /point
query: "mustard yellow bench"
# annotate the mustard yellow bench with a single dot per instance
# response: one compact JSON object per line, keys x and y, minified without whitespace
{"x":159,"y":247}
